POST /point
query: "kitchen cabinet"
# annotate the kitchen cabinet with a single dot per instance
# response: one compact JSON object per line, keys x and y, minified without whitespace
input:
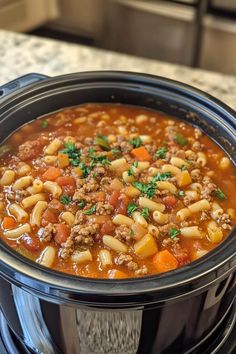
{"x":25,"y":15}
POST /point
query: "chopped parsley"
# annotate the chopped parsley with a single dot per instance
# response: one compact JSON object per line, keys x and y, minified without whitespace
{"x":189,"y":161}
{"x":181,"y":193}
{"x":81,"y":204}
{"x":173,"y":232}
{"x":131,"y":170}
{"x":102,"y":159}
{"x":131,"y":232}
{"x":116,"y":151}
{"x":102,"y":141}
{"x":65,"y":199}
{"x":161,"y":176}
{"x":91,"y":153}
{"x":44,"y":124}
{"x":131,"y":208}
{"x":180,"y":139}
{"x":85,"y":169}
{"x":145,"y":213}
{"x":147,"y":189}
{"x":72,"y":152}
{"x":136,"y":142}
{"x":91,"y":210}
{"x":161,"y":153}
{"x":220,"y":194}
{"x":183,"y":168}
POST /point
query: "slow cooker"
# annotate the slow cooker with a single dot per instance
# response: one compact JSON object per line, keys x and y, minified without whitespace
{"x":188,"y":310}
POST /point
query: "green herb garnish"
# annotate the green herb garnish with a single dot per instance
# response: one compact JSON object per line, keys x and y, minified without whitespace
{"x":145,"y":213}
{"x":72,"y":152}
{"x":85,"y":169}
{"x":161,"y":177}
{"x":91,"y":210}
{"x":181,"y":193}
{"x":136,"y":142}
{"x":65,"y":199}
{"x":116,"y":151}
{"x":102,"y":159}
{"x":102,"y":141}
{"x":131,"y":208}
{"x":183,"y":168}
{"x":173,"y":232}
{"x":81,"y":204}
{"x":147,"y":189}
{"x":131,"y":232}
{"x":131,"y":170}
{"x":220,"y":194}
{"x":44,"y":124}
{"x":180,"y":139}
{"x":161,"y":153}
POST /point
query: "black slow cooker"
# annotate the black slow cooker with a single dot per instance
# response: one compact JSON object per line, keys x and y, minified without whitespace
{"x":175,"y":312}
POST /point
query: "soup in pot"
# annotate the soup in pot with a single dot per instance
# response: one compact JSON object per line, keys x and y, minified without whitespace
{"x":113,"y":191}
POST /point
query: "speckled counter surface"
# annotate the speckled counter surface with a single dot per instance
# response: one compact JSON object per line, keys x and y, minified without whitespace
{"x":21,"y":54}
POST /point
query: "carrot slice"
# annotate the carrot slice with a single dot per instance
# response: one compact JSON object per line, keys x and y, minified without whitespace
{"x":141,"y":154}
{"x":51,"y":174}
{"x":63,"y":160}
{"x":116,"y":274}
{"x":164,"y":261}
{"x":8,"y":222}
{"x":62,"y":233}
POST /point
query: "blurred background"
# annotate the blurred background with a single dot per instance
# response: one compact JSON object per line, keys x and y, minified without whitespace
{"x":196,"y":33}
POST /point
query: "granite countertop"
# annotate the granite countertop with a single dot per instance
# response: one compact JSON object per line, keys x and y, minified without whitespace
{"x":21,"y":54}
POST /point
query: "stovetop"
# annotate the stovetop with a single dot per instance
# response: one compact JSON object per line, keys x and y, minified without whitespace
{"x":224,"y":341}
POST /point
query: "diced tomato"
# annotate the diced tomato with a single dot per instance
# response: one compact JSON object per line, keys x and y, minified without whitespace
{"x":55,"y":205}
{"x":181,"y":255}
{"x":48,"y":217}
{"x":122,"y":204}
{"x":107,"y":227}
{"x":31,"y":244}
{"x":62,"y":233}
{"x":170,"y":201}
{"x":65,"y":180}
{"x":68,"y":190}
{"x":114,"y":198}
{"x":67,"y":183}
{"x":8,"y":222}
{"x":138,"y":231}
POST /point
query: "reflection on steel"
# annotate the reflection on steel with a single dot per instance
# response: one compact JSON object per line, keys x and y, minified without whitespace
{"x":35,"y":331}
{"x":100,"y":332}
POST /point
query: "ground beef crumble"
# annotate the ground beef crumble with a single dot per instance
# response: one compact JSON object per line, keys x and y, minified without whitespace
{"x":46,"y":233}
{"x":30,"y":149}
{"x":122,"y":233}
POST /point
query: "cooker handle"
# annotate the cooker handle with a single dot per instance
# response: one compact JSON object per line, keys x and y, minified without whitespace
{"x":20,"y":82}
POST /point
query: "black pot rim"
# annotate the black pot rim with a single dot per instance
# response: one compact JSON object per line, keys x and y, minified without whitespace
{"x":174,"y":284}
